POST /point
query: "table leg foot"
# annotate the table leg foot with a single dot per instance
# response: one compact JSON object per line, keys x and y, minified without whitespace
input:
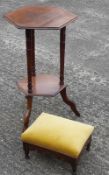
{"x":69,"y":102}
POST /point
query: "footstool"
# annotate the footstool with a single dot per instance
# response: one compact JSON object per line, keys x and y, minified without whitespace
{"x":59,"y":135}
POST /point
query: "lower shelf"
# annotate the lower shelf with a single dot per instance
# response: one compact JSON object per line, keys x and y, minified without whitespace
{"x":42,"y":85}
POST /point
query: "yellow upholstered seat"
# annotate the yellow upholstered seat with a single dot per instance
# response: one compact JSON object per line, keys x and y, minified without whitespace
{"x":58,"y":134}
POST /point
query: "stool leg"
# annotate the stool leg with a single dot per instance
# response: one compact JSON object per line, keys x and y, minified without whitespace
{"x":26,"y":150}
{"x":89,"y":144}
{"x":74,"y":166}
{"x":69,"y":102}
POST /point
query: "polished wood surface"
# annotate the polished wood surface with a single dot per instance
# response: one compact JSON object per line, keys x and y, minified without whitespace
{"x":30,"y":52}
{"x":42,"y":85}
{"x":62,"y":54}
{"x":40,"y":17}
{"x":63,"y":93}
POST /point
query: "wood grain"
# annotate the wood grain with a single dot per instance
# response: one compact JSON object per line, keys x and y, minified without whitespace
{"x":42,"y":85}
{"x":40,"y":17}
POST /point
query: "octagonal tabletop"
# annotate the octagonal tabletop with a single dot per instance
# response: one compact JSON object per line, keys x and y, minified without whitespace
{"x":40,"y":17}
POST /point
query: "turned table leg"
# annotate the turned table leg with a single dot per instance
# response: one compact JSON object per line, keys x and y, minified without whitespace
{"x":30,"y":51}
{"x":62,"y":55}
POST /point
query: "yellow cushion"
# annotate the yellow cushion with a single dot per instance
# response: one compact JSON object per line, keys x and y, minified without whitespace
{"x":58,"y":134}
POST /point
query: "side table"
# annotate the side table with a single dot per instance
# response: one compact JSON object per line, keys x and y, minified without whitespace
{"x":36,"y":17}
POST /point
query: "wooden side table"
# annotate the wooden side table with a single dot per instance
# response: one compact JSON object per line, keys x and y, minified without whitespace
{"x":42,"y":18}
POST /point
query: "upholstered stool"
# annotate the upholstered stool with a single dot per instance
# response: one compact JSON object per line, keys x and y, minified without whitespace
{"x":59,"y":135}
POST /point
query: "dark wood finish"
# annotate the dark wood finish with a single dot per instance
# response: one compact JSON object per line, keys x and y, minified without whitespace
{"x":26,"y":150}
{"x":29,"y":51}
{"x":89,"y":144}
{"x":62,"y":60}
{"x":30,"y":45}
{"x":69,"y":102}
{"x":28,"y":111}
{"x":62,"y":54}
{"x":42,"y":85}
{"x":40,"y":17}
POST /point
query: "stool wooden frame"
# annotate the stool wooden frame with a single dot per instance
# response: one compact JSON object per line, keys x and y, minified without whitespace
{"x":73,"y":161}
